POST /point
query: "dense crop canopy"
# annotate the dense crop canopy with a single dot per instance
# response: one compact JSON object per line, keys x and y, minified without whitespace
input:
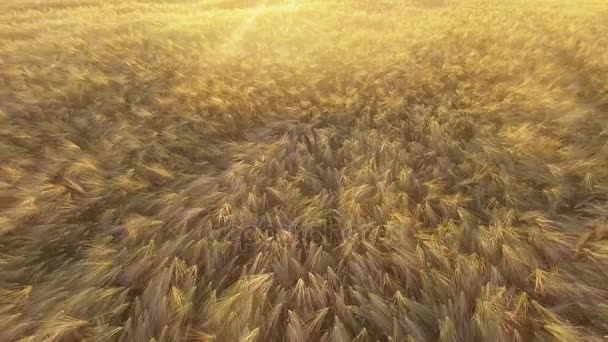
{"x":237,"y":170}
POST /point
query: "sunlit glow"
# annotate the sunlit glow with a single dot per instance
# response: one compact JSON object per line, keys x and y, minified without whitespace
{"x":303,"y":170}
{"x":232,"y":44}
{"x":292,"y":5}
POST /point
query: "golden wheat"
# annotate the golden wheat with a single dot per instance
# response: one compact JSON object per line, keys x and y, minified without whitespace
{"x":373,"y":170}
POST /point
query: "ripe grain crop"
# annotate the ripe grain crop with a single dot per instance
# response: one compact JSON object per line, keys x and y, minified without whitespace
{"x":372,"y":170}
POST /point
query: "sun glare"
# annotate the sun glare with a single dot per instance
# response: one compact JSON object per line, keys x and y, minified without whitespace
{"x":251,"y":18}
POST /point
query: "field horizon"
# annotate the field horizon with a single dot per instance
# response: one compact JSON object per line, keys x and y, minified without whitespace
{"x":339,"y":170}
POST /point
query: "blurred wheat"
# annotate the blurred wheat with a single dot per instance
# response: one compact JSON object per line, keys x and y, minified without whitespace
{"x":232,"y":170}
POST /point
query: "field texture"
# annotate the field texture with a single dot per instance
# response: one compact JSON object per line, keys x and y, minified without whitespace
{"x":373,"y":170}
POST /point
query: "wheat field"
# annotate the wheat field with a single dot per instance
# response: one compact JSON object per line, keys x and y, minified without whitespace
{"x":337,"y":170}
